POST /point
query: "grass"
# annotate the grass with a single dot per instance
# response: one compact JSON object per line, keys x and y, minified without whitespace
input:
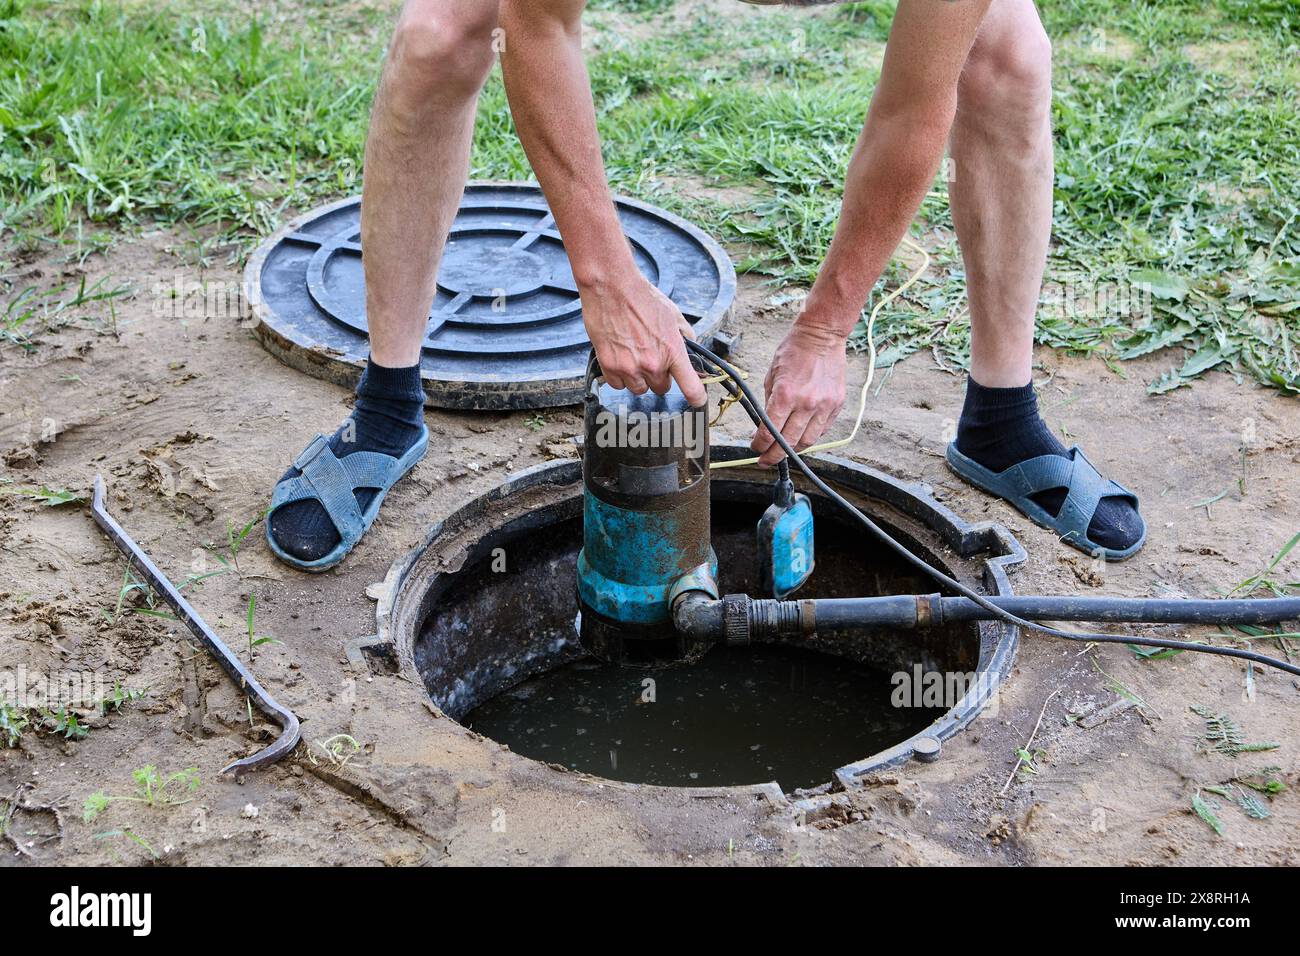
{"x":131,"y":835}
{"x":1178,"y":146}
{"x":50,"y":497}
{"x":13,"y":721}
{"x":234,"y":540}
{"x":130,"y":583}
{"x":31,"y":310}
{"x":1241,"y":790}
{"x":149,"y":597}
{"x":255,"y":640}
{"x":60,"y":721}
{"x":120,"y":696}
{"x":152,"y":789}
{"x":1265,"y":579}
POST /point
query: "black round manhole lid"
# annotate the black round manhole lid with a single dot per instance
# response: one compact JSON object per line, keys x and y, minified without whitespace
{"x":505,"y":330}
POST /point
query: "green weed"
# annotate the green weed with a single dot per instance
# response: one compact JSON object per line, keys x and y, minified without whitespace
{"x":151,"y":789}
{"x":50,"y":497}
{"x":234,"y":540}
{"x":119,"y":696}
{"x":63,"y":721}
{"x":1223,"y":736}
{"x":12,"y":723}
{"x":1265,"y":580}
{"x":254,"y":640}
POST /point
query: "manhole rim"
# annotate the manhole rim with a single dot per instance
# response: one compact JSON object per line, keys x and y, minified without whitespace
{"x":483,"y":392}
{"x":1003,"y":552}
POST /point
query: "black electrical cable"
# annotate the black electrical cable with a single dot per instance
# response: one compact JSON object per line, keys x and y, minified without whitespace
{"x":759,"y":416}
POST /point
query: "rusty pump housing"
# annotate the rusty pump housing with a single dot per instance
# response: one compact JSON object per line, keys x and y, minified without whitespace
{"x":646,"y":522}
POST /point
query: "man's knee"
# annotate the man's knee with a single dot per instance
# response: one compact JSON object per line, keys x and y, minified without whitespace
{"x":443,"y":46}
{"x":1010,"y":72}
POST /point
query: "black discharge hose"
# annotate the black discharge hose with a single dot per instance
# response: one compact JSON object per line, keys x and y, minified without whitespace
{"x":993,"y":611}
{"x":917,"y":610}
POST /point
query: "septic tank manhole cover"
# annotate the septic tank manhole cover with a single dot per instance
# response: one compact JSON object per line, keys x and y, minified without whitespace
{"x":505,"y":330}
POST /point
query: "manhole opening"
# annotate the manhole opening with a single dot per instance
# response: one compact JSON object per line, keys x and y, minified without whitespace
{"x":496,"y":647}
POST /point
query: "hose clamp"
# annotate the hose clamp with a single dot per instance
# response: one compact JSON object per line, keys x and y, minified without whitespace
{"x":928,"y":610}
{"x":735,"y":618}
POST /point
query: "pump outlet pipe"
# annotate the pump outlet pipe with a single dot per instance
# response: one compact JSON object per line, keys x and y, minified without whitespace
{"x":739,"y":619}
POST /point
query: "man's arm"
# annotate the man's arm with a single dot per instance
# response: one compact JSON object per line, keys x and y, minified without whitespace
{"x":889,"y":174}
{"x":636,"y":330}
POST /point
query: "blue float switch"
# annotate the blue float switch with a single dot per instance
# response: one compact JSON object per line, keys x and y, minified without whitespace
{"x":785,"y":540}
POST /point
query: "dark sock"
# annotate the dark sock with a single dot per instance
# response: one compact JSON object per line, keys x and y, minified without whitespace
{"x":1001,"y":427}
{"x":387,"y":418}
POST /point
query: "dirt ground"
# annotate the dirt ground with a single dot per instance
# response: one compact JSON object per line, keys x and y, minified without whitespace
{"x":191,"y":422}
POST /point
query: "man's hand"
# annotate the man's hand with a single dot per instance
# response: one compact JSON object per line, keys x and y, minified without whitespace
{"x":804,"y":389}
{"x":637,"y":333}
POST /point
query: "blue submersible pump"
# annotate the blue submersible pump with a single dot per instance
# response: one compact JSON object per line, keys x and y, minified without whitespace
{"x":646,"y":525}
{"x":646,"y":521}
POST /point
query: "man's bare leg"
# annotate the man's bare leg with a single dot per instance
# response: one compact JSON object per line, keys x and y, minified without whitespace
{"x":1001,"y":194}
{"x":417,"y":154}
{"x":417,"y":157}
{"x":1001,"y":189}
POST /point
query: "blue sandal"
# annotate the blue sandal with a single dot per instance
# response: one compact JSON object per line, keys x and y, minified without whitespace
{"x":1086,"y":487}
{"x":333,"y":481}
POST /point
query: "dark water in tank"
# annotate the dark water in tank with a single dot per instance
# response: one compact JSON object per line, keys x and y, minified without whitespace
{"x":740,"y":715}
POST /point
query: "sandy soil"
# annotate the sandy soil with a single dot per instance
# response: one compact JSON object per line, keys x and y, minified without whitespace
{"x":191,"y":422}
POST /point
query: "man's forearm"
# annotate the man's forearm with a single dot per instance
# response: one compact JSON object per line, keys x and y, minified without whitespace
{"x":635,"y":329}
{"x":550,"y":98}
{"x":889,"y":174}
{"x":896,"y":157}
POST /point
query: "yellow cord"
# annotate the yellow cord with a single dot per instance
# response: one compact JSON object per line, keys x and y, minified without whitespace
{"x":871,"y":365}
{"x":730,"y":399}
